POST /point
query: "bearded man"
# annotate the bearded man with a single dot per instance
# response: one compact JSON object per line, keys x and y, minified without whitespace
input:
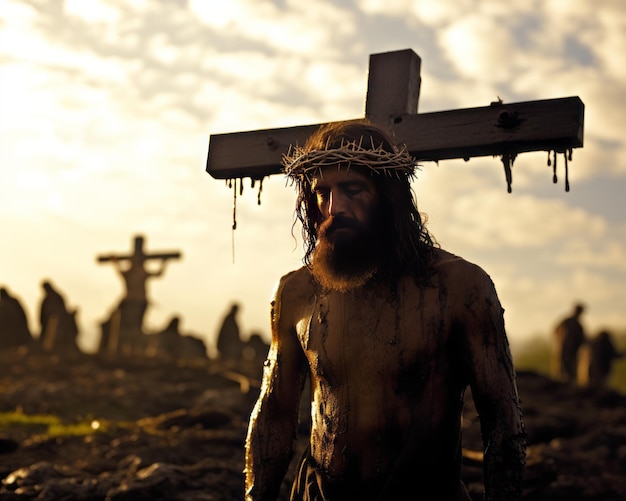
{"x":391,"y":330}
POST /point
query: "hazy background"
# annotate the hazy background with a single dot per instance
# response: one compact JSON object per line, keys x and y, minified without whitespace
{"x":107,"y":107}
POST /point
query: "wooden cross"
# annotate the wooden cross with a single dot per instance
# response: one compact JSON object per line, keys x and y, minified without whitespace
{"x":123,"y":331}
{"x":504,"y":130}
{"x":138,"y":254}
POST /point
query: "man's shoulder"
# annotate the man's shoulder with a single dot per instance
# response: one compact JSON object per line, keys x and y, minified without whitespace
{"x":457,"y":269}
{"x":293,"y":295}
{"x":301,"y":276}
{"x":447,"y":261}
{"x":296,"y":283}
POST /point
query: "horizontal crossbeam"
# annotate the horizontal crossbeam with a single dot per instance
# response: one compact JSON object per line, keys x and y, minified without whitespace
{"x":145,"y":257}
{"x":545,"y":125}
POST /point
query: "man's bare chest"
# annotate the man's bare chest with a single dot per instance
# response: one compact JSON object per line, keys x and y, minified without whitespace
{"x":368,"y":334}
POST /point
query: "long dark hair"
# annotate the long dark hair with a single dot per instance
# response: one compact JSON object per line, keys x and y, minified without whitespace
{"x":409,"y":245}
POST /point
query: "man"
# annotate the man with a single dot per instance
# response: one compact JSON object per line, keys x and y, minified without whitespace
{"x":14,"y":330}
{"x":596,"y":361}
{"x":59,"y":329}
{"x":569,"y":336}
{"x":229,"y":344}
{"x":52,"y":305}
{"x":51,"y":313}
{"x":391,"y":330}
{"x":133,"y":306}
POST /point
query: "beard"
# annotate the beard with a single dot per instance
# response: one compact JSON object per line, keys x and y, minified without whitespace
{"x":348,"y":252}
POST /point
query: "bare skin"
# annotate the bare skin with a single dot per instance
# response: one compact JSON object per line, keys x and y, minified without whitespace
{"x":388,"y":368}
{"x":135,"y":276}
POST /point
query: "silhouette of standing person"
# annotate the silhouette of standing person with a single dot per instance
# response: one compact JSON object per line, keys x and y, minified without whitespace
{"x":167,"y":342}
{"x":229,"y":345}
{"x":569,"y":335}
{"x":602,"y":354}
{"x":14,"y":329}
{"x":58,"y":328}
{"x":51,"y":311}
{"x":255,"y":350}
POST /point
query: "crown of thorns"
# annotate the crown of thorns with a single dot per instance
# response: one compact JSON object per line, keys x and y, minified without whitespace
{"x":300,"y":163}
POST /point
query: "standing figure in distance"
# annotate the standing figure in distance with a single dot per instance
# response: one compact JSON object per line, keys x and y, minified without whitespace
{"x":596,"y":361}
{"x":391,"y":330}
{"x":569,"y":335}
{"x":14,"y":330}
{"x":229,"y":344}
{"x":59,"y":329}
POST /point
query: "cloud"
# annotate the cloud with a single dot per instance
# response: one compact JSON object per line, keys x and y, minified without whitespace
{"x":294,"y":27}
{"x":478,"y":45}
{"x":96,"y":11}
{"x":477,"y":212}
{"x":435,"y":12}
{"x":112,"y":102}
{"x":594,"y":254}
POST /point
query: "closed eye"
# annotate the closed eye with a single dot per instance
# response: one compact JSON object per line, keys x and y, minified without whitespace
{"x":322,"y":193}
{"x":353,"y":189}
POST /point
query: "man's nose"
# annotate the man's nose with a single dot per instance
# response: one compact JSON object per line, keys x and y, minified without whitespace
{"x":337,"y":203}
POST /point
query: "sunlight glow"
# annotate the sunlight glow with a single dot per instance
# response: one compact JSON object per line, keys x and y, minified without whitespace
{"x":95,"y":11}
{"x":106,"y":107}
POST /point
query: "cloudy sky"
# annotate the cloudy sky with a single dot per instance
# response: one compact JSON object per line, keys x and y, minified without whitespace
{"x":107,"y":107}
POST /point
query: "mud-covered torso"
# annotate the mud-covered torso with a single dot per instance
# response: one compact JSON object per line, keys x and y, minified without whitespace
{"x":385,"y":375}
{"x":135,"y":280}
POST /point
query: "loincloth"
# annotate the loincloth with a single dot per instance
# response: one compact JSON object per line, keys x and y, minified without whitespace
{"x":311,"y":483}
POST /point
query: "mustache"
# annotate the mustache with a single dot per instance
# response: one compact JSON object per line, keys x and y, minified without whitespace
{"x":334,"y":223}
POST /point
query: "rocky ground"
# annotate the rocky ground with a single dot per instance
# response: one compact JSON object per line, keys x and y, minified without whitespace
{"x":175,"y":431}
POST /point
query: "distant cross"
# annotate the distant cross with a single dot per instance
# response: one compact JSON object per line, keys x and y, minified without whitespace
{"x":139,"y":254}
{"x":126,"y":322}
{"x":503,"y":130}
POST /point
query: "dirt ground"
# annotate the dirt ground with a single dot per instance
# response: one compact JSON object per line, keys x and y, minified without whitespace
{"x":175,"y":431}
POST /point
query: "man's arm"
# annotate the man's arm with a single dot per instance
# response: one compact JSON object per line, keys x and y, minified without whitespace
{"x":161,"y":269}
{"x":274,"y":420}
{"x":116,"y":264}
{"x":494,"y":389}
